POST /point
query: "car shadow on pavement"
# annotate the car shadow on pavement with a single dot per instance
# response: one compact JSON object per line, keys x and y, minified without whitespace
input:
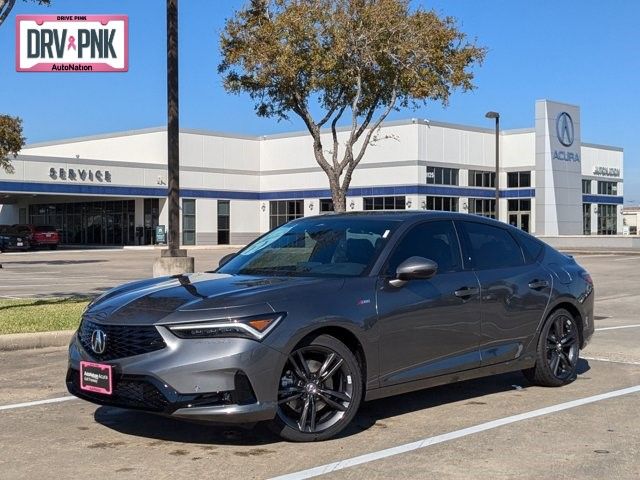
{"x":372,"y":413}
{"x":147,"y":425}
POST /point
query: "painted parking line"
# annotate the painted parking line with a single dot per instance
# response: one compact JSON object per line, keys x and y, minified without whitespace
{"x":426,"y":442}
{"x":604,"y":359}
{"x":616,"y":328}
{"x":38,"y":402}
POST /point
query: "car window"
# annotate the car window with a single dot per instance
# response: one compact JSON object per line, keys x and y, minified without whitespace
{"x":532,"y":247}
{"x":436,"y":241}
{"x":316,"y":247}
{"x":42,"y":229}
{"x":492,"y":247}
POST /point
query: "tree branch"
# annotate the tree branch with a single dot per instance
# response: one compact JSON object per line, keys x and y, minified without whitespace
{"x":354,"y":107}
{"x":334,"y":133}
{"x":334,"y":107}
{"x":302,"y":111}
{"x":354,"y":161}
{"x":5,"y":8}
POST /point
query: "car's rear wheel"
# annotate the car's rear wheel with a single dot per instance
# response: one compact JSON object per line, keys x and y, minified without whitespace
{"x":53,"y":247}
{"x":319,"y":391}
{"x":558,"y":351}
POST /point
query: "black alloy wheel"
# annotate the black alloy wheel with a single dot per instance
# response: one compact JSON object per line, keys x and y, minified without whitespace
{"x":319,"y":390}
{"x":558,"y":351}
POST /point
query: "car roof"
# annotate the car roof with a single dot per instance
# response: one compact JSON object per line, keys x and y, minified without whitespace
{"x":405,"y":215}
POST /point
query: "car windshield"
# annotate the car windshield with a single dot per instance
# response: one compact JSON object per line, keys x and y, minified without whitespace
{"x":322,"y":247}
{"x":43,"y":229}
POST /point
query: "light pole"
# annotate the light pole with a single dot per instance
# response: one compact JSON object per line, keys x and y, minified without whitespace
{"x":174,"y":260}
{"x":496,"y":115}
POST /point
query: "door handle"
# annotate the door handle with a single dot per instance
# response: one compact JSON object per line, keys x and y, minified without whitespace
{"x":538,"y":284}
{"x":466,"y":292}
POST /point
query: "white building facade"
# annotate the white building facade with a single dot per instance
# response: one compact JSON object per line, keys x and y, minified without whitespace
{"x":111,"y":189}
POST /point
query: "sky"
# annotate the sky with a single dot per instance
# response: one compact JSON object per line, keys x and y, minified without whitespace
{"x":582,"y":52}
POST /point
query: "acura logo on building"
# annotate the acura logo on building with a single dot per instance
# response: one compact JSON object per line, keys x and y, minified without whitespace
{"x":564,"y":129}
{"x":98,"y":341}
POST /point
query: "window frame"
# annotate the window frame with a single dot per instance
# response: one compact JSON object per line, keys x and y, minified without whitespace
{"x":382,"y":201}
{"x":401,"y":235}
{"x":185,"y":216}
{"x":518,"y":179}
{"x":467,"y":250}
{"x":447,"y":175}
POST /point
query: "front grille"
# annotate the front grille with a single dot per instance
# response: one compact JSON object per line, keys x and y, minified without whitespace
{"x":127,"y":393}
{"x":122,"y":340}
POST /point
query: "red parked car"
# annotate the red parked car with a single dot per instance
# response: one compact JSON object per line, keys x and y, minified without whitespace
{"x":40,"y":236}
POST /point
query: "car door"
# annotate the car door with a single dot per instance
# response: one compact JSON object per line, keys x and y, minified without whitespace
{"x":514,"y":290}
{"x":428,"y":327}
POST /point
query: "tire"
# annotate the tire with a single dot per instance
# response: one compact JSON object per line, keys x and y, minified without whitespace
{"x":329,"y":379}
{"x":53,"y":247}
{"x":556,"y":361}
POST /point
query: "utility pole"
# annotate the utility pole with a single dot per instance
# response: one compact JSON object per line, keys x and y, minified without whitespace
{"x":173,"y":128}
{"x":174,"y":260}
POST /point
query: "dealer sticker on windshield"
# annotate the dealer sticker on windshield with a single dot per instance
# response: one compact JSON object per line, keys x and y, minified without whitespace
{"x":96,"y":377}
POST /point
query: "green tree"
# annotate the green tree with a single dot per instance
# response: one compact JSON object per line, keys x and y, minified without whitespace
{"x":357,"y":58}
{"x":7,"y":5}
{"x":11,"y":140}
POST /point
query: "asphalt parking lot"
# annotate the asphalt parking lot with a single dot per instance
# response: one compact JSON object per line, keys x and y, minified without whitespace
{"x":498,"y":427}
{"x":83,"y":272}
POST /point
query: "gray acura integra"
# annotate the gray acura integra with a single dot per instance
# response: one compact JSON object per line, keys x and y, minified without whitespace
{"x":324,"y":312}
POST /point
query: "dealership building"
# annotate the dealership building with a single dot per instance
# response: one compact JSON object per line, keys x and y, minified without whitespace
{"x":111,"y":189}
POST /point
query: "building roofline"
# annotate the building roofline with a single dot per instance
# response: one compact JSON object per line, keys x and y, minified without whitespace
{"x":602,"y":147}
{"x":213,"y":133}
{"x":557,"y":101}
{"x":140,"y":131}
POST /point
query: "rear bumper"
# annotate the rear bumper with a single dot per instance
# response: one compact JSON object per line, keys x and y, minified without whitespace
{"x":230,"y":380}
{"x":52,"y":241}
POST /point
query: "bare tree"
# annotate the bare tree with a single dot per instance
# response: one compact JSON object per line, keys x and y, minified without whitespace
{"x":7,"y":5}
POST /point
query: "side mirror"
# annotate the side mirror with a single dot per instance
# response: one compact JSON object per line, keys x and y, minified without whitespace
{"x":225,"y":259}
{"x":414,"y":268}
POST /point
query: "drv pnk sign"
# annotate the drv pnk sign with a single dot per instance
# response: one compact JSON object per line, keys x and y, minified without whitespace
{"x":72,"y":43}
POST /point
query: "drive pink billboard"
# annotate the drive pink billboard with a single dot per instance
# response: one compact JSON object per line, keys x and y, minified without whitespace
{"x":72,"y":43}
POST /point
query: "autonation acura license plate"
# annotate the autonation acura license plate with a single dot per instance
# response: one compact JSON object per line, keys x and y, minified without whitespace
{"x":96,"y":377}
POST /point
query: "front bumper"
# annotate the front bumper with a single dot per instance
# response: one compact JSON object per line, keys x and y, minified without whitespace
{"x":228,"y":380}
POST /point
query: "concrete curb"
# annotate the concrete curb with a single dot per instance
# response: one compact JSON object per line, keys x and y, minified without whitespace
{"x":26,"y":341}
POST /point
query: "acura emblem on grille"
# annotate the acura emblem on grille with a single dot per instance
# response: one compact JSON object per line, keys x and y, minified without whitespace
{"x":98,"y":341}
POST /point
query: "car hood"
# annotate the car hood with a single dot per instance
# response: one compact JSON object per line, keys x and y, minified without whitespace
{"x":200,"y":296}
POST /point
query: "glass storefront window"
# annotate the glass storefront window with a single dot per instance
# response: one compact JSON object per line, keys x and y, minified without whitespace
{"x":483,"y":207}
{"x":188,"y":221}
{"x":282,"y":211}
{"x":89,"y":223}
{"x":447,"y":204}
{"x":607,"y":219}
{"x":586,"y":218}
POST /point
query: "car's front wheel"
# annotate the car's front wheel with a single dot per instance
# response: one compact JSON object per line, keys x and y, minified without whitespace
{"x":319,"y":391}
{"x":558,"y":351}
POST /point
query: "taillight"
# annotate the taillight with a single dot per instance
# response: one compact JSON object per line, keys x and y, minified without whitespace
{"x":587,"y":277}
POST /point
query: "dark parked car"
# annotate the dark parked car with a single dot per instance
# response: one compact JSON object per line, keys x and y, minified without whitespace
{"x":39,"y":235}
{"x":324,"y":312}
{"x":11,"y":241}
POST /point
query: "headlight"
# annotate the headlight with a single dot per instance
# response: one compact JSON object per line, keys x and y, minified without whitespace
{"x":256,"y":327}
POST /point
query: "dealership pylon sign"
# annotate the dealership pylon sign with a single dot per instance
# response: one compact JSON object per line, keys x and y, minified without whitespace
{"x":72,"y":43}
